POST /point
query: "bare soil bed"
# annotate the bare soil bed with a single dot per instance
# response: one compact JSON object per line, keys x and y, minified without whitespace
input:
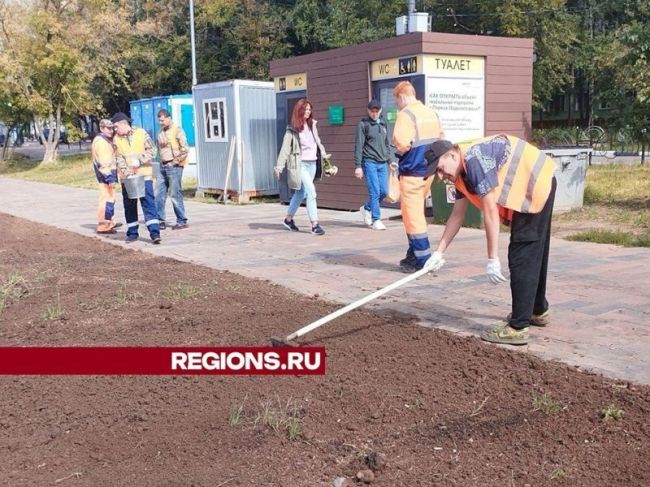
{"x":400,"y":405}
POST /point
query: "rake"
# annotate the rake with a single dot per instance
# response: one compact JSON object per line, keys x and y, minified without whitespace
{"x":286,"y":342}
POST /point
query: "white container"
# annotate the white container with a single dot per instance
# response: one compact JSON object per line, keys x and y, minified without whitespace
{"x":570,"y":171}
{"x":134,"y":186}
{"x":401,"y":25}
{"x":419,"y":22}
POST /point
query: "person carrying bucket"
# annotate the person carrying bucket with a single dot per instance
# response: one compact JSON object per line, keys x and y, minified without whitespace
{"x":415,"y":128}
{"x":106,"y":172}
{"x":511,"y":182}
{"x":134,"y":153}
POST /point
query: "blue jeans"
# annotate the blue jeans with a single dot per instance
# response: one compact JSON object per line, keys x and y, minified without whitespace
{"x":376,"y":175}
{"x":307,"y":190}
{"x":148,"y":204}
{"x":170,"y":179}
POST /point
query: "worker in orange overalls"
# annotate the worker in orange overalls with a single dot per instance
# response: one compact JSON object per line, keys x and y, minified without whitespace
{"x":511,"y":182}
{"x":415,"y":129}
{"x":105,"y":168}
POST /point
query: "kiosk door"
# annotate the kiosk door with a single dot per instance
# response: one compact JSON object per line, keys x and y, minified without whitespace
{"x":382,"y":90}
{"x":285,"y":101}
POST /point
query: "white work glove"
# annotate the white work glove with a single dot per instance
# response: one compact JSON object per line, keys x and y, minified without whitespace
{"x":435,"y":262}
{"x":277,"y":171}
{"x":493,"y":271}
{"x":134,"y":163}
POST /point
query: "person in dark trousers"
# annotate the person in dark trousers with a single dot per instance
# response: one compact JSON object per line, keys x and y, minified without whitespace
{"x":134,"y":153}
{"x":511,"y":182}
{"x":372,"y":154}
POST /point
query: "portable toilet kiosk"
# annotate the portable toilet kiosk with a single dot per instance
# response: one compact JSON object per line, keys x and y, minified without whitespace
{"x":144,"y":113}
{"x":479,"y":85}
{"x":236,"y":138}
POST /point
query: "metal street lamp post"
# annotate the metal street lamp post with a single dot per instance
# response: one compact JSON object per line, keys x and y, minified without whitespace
{"x":194,"y":82}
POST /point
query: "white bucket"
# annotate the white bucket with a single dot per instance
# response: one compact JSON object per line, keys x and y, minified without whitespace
{"x":134,"y":186}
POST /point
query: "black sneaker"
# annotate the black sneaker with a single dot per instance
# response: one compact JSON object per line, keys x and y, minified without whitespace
{"x":408,"y":261}
{"x":156,"y":240}
{"x":407,"y":267}
{"x":180,"y":226}
{"x":131,"y":239}
{"x":163,"y":225}
{"x":317,"y":230}
{"x":290,"y":225}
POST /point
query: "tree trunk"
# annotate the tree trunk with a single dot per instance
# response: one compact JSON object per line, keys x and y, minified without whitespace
{"x":50,"y":142}
{"x":49,"y":157}
{"x":4,"y":151}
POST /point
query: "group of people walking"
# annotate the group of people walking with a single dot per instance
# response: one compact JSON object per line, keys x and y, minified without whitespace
{"x":509,"y":180}
{"x":120,"y":151}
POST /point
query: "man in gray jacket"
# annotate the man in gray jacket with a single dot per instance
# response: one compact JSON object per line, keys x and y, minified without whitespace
{"x":372,"y":154}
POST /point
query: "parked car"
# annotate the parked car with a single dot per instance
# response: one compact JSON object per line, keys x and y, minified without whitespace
{"x":63,"y":136}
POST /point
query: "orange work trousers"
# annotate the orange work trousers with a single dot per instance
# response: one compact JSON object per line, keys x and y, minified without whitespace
{"x":106,"y":207}
{"x":414,"y":190}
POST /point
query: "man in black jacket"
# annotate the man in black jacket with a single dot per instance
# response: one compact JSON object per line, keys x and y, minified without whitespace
{"x":372,"y":154}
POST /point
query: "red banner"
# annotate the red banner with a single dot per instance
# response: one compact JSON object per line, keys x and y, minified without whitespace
{"x":162,"y":361}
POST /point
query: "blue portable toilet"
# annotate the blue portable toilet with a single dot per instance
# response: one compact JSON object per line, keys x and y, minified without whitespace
{"x":144,"y":114}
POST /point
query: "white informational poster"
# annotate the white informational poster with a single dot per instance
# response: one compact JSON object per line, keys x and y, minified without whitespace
{"x":456,"y":90}
{"x":460,"y":104}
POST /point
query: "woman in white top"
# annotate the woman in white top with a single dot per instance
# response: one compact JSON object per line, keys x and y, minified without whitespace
{"x":302,"y":153}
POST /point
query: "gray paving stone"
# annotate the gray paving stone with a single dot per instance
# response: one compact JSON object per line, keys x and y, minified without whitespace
{"x":599,"y":294}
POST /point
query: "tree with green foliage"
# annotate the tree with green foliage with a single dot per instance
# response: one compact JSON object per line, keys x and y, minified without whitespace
{"x":50,"y":54}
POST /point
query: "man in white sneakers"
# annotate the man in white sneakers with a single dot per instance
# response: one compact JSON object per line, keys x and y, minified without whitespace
{"x":372,"y":154}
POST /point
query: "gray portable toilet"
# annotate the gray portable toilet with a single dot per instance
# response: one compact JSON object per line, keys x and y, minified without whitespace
{"x":236,"y":118}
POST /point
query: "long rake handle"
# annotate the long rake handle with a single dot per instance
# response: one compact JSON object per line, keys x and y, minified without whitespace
{"x":326,"y":319}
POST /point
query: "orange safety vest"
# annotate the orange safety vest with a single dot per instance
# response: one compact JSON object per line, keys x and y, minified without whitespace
{"x":524,"y":180}
{"x":134,"y":148}
{"x":102,"y":154}
{"x":173,"y":142}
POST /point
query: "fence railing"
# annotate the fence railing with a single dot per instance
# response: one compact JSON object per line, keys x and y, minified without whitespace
{"x":605,"y":143}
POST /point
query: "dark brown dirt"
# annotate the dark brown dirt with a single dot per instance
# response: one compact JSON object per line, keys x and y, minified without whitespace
{"x":419,"y":407}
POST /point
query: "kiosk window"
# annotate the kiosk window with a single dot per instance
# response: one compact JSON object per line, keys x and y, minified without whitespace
{"x":216,"y":128}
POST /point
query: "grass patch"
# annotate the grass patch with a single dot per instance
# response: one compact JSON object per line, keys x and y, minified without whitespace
{"x":14,"y":288}
{"x":616,"y":207}
{"x":546,"y":404}
{"x":53,"y":311}
{"x":612,"y":237}
{"x":123,"y":295}
{"x":74,"y":170}
{"x":181,"y":291}
{"x":612,"y":412}
{"x":236,"y":415}
{"x":281,"y":417}
{"x":618,"y":185}
{"x":557,"y":473}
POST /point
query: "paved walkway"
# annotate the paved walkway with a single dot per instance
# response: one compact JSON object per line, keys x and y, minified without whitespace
{"x":599,"y":294}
